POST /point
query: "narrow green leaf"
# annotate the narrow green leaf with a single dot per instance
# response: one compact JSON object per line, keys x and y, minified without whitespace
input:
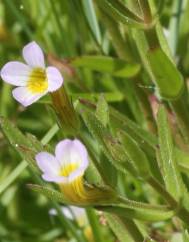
{"x":159,"y":28}
{"x":102,"y":111}
{"x":131,"y":228}
{"x":121,"y":121}
{"x":24,"y":146}
{"x":49,"y":193}
{"x":168,"y":78}
{"x":183,"y":160}
{"x":109,"y":96}
{"x":111,"y":174}
{"x":118,"y":228}
{"x":114,"y":66}
{"x":121,"y":7}
{"x":13,"y":134}
{"x":115,"y":96}
{"x":101,"y":163}
{"x":135,"y":154}
{"x":92,"y":175}
{"x":89,"y":10}
{"x":142,"y":46}
{"x":109,"y":146}
{"x":167,"y":160}
{"x":174,"y":25}
{"x":144,"y":215}
{"x":146,"y":140}
{"x":120,"y":13}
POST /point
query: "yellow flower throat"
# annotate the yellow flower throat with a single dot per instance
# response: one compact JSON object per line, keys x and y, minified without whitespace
{"x":37,"y":82}
{"x":66,"y":170}
{"x":76,"y":192}
{"x":73,"y":189}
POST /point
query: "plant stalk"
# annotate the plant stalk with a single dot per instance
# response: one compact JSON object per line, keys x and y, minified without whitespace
{"x":181,"y":212}
{"x":179,"y":105}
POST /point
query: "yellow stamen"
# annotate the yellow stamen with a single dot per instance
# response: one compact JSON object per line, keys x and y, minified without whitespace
{"x":37,"y":82}
{"x":68,"y":169}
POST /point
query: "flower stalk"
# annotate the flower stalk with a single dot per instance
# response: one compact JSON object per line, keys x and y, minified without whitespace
{"x":67,"y":117}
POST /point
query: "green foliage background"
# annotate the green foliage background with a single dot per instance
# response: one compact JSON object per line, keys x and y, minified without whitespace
{"x":117,"y":73}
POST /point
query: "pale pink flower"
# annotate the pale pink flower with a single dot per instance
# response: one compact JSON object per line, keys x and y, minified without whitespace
{"x":33,"y":79}
{"x":68,"y":164}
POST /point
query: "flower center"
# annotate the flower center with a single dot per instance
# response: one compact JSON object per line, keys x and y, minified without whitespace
{"x":68,"y":169}
{"x":37,"y":82}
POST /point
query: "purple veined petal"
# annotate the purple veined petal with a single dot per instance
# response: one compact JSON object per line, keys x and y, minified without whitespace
{"x":25,"y":97}
{"x":55,"y":79}
{"x":48,"y":163}
{"x":33,"y":55}
{"x":53,"y":178}
{"x":16,"y":73}
{"x":72,"y":151}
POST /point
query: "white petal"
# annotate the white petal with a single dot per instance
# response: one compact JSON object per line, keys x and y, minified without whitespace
{"x":77,"y":173}
{"x":16,"y":73}
{"x":33,"y":55}
{"x":72,"y":151}
{"x":54,"y":178}
{"x":47,"y":163}
{"x":25,"y":97}
{"x":55,"y":79}
{"x":79,"y":213}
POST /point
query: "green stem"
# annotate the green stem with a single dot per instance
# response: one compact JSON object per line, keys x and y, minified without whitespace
{"x":118,"y":228}
{"x":180,"y":104}
{"x":138,"y":205}
{"x":93,"y":220}
{"x":12,"y":176}
{"x":152,"y":38}
{"x":161,"y":190}
{"x":182,"y":213}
